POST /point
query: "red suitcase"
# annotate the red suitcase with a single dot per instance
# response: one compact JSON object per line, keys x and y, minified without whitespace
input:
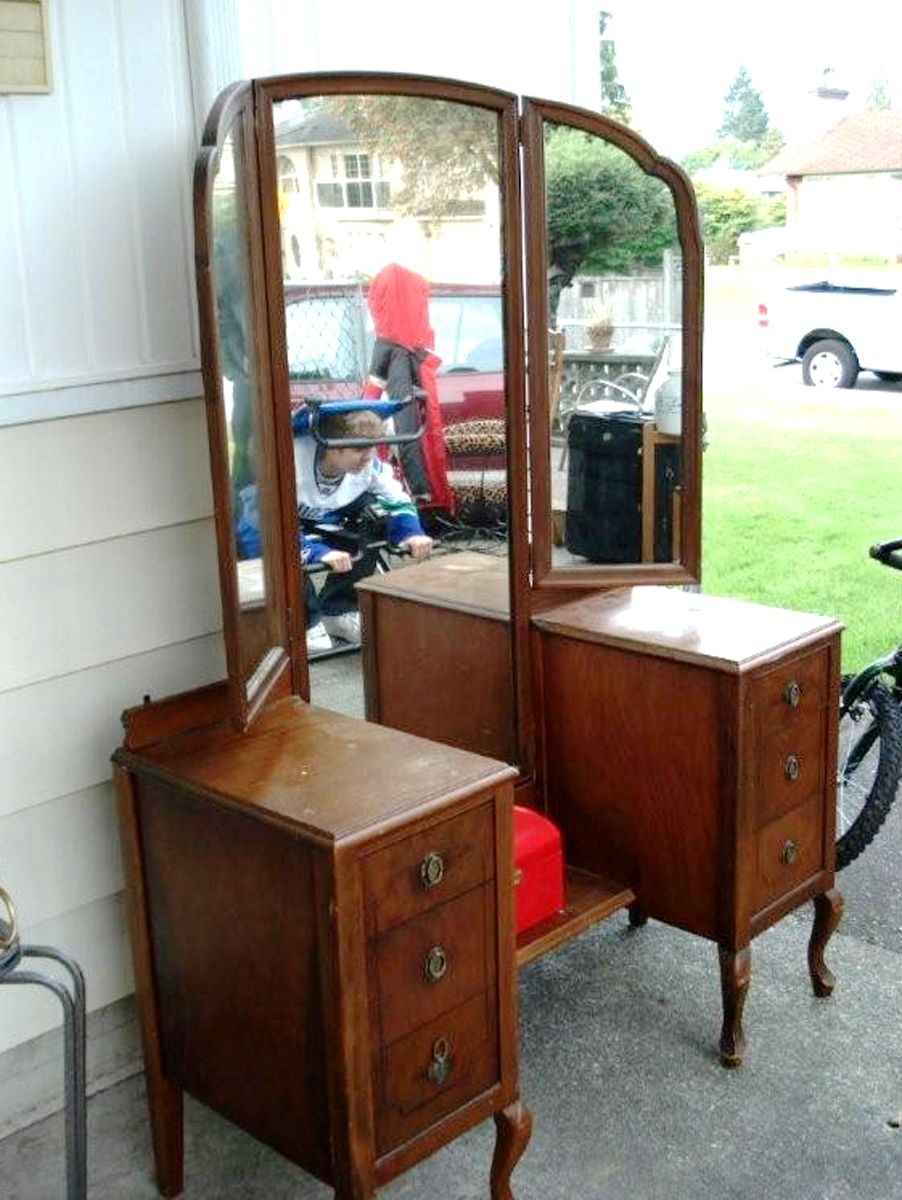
{"x":538,"y":868}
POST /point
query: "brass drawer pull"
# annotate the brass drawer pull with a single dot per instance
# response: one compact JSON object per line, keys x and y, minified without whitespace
{"x":432,"y":870}
{"x":792,"y":693}
{"x":790,"y":852}
{"x":440,"y":1067}
{"x":436,"y":964}
{"x":792,"y":768}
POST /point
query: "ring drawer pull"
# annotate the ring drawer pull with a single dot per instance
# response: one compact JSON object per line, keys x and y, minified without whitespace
{"x":436,"y":964}
{"x":790,"y":852}
{"x":792,"y":768}
{"x":792,"y":693}
{"x":439,"y":1068}
{"x":9,"y":929}
{"x":432,"y":870}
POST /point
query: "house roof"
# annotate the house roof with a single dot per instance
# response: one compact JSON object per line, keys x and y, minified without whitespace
{"x":319,"y":127}
{"x":866,"y":142}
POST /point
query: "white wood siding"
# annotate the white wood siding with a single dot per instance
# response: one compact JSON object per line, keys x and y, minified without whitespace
{"x":95,"y":215}
{"x":108,"y":592}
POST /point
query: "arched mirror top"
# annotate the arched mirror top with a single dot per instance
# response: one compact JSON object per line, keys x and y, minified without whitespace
{"x":614,"y":302}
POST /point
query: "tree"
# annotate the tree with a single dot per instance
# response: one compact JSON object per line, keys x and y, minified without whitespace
{"x":725,"y":214}
{"x":447,"y":151}
{"x":745,"y":116}
{"x":604,"y":212}
{"x":614,"y":100}
{"x":731,"y":152}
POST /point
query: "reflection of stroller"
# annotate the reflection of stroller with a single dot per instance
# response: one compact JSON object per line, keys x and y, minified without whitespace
{"x":360,"y":524}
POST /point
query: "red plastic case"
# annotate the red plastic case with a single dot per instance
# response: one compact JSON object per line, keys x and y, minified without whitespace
{"x":538,"y":868}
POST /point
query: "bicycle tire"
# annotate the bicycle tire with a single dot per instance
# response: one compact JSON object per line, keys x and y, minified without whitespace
{"x":868,"y":770}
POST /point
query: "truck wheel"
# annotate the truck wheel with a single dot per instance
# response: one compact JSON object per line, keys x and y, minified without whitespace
{"x":830,"y":364}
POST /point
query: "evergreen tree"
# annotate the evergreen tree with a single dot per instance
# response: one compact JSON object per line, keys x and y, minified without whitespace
{"x":614,"y":100}
{"x":745,"y":116}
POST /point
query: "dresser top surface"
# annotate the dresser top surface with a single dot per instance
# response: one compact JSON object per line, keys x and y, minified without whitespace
{"x":328,"y":775}
{"x":713,"y":631}
{"x":466,"y":581}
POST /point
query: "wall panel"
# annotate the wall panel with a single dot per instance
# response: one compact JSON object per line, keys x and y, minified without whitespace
{"x":74,"y":609}
{"x":95,"y":196}
{"x":58,"y":736}
{"x":61,"y":855}
{"x":66,"y":483}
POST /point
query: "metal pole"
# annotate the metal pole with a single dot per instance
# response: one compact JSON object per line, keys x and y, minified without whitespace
{"x":73,"y":1002}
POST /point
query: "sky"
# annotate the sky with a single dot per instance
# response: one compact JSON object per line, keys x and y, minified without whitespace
{"x":677,"y":61}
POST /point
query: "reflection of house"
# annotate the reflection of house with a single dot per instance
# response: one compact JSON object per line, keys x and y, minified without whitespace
{"x":336,"y":203}
{"x":844,"y":191}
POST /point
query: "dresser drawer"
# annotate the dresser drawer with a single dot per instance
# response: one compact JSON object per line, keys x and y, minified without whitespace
{"x":791,"y":764}
{"x":790,"y":724}
{"x":435,"y":1069}
{"x":790,"y":849}
{"x":791,"y":693}
{"x":434,"y":963}
{"x":417,"y":873}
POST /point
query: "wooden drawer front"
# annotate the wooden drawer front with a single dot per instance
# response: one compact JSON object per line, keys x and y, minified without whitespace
{"x":791,"y":764}
{"x":429,"y":868}
{"x":790,"y":693}
{"x":435,"y":1070}
{"x":790,"y":724}
{"x":790,"y":849}
{"x":434,"y":963}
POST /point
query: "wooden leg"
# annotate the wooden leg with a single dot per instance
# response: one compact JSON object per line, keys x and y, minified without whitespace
{"x":735,"y":973}
{"x":167,"y":1130}
{"x":828,"y":910}
{"x":164,"y":1100}
{"x":513,"y":1126}
{"x":637,"y":915}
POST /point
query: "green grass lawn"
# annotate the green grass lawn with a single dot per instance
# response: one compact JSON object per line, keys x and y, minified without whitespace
{"x":796,"y":486}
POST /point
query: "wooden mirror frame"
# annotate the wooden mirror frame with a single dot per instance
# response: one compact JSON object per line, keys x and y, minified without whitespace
{"x":251,"y":675}
{"x":284,"y":661}
{"x":536,"y":113}
{"x":254,"y":102}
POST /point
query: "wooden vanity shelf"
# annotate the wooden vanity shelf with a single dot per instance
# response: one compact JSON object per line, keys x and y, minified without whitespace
{"x":588,"y":900}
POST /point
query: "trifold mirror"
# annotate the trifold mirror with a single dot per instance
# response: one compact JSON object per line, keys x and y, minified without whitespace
{"x":361,"y":238}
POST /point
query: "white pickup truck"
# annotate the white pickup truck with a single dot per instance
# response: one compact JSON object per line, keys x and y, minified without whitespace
{"x":835,"y":331}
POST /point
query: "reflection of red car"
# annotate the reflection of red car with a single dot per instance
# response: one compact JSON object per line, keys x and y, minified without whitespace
{"x":330,"y":336}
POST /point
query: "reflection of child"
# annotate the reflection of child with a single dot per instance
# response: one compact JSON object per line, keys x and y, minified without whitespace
{"x":333,"y":484}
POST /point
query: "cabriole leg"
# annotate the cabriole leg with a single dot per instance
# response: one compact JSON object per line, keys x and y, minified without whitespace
{"x":828,"y":910}
{"x":513,"y":1126}
{"x":735,"y":974}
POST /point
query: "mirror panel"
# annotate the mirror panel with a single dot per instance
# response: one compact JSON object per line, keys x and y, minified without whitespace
{"x":235,"y":357}
{"x":392,"y":219}
{"x":616,"y":445}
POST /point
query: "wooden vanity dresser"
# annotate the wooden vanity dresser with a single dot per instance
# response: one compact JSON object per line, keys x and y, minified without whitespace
{"x":321,"y":906}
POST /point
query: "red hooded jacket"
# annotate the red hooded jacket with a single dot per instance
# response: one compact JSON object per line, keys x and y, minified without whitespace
{"x":403,"y":358}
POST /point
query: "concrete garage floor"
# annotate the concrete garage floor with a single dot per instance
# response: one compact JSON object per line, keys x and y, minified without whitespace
{"x":618,"y":1037}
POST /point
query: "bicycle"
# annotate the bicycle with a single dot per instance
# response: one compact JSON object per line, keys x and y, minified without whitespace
{"x":870,"y":741}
